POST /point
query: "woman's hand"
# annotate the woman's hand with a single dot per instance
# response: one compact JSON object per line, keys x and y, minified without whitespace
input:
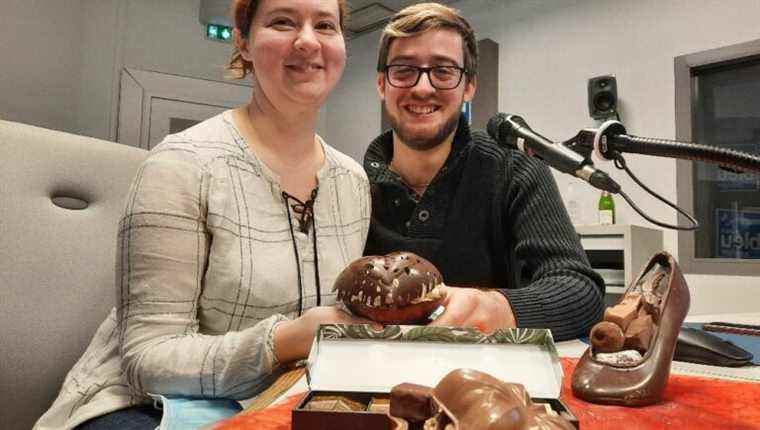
{"x":293,"y":338}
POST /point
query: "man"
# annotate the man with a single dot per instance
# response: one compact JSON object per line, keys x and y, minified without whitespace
{"x":458,"y":199}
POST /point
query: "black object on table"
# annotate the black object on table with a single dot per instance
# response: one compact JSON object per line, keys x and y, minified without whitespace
{"x":699,"y":346}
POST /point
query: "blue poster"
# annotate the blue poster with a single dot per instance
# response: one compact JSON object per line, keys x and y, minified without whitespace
{"x":728,"y":181}
{"x":732,"y":181}
{"x":738,"y":234}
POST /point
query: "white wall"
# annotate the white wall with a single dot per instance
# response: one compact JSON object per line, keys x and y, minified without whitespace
{"x":548,"y":51}
{"x":61,"y":59}
{"x":353,"y":110}
{"x":166,"y":36}
{"x":100,"y":64}
{"x":40,"y":62}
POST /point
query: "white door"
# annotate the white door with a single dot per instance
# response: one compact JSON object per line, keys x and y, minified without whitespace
{"x":172,"y":116}
{"x":152,"y":104}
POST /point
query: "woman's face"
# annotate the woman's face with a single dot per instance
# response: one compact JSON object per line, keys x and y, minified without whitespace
{"x":297,"y":50}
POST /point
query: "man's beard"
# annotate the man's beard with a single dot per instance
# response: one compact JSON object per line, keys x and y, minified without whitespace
{"x":406,"y":136}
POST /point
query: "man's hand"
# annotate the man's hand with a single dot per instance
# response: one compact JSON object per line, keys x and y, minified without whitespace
{"x":486,"y":310}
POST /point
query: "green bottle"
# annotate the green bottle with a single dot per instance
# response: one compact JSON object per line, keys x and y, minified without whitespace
{"x":606,"y":209}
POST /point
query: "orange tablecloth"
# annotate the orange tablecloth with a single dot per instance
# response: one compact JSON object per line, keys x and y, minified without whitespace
{"x":275,"y":417}
{"x":691,"y":402}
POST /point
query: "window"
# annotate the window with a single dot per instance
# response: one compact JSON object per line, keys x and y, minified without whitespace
{"x":718,"y":103}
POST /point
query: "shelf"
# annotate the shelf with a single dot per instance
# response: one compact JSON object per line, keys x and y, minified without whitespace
{"x":619,"y":247}
{"x":615,"y":290}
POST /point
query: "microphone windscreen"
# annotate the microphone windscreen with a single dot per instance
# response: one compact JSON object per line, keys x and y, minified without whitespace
{"x":494,"y":126}
{"x":503,"y":128}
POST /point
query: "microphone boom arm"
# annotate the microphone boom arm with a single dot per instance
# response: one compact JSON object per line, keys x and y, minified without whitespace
{"x":611,"y":139}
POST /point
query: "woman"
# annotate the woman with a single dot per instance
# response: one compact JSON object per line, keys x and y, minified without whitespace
{"x":234,"y":231}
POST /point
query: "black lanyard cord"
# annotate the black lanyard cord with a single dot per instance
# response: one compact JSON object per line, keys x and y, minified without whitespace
{"x":306,"y":212}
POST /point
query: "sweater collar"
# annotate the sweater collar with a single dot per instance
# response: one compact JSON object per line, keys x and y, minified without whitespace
{"x":380,"y":153}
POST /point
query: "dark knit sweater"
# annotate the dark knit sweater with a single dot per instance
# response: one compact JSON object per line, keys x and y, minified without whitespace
{"x":488,"y":208}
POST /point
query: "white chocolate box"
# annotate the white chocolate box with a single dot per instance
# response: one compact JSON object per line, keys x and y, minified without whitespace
{"x":356,"y":358}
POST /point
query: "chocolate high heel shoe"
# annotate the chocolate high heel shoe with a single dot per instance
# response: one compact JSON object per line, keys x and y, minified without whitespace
{"x":626,"y":378}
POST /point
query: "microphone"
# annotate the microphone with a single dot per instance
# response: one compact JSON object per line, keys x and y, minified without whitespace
{"x":514,"y":132}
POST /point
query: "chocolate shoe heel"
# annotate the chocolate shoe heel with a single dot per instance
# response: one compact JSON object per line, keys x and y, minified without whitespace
{"x":643,"y":381}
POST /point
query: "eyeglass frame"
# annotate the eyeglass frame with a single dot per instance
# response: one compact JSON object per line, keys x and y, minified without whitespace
{"x":425,"y":70}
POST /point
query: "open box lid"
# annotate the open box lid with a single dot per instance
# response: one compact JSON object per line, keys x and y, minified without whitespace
{"x":357,"y":358}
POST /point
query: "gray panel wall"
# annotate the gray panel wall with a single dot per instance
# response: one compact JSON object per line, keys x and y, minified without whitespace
{"x":61,"y":59}
{"x":40,"y":62}
{"x":486,"y":101}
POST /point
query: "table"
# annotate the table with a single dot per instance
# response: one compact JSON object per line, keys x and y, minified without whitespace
{"x":684,"y":393}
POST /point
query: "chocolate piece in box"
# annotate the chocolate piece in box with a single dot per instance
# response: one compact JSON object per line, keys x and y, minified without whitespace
{"x":411,"y":402}
{"x":334,"y":403}
{"x":305,"y":418}
{"x":379,"y":404}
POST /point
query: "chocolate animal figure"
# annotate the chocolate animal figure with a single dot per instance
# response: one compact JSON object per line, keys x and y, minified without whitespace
{"x":467,"y":399}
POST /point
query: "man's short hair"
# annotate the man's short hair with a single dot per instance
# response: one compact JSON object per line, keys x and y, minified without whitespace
{"x":419,"y":18}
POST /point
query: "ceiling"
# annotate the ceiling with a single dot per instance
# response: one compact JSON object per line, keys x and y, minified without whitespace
{"x":369,"y":15}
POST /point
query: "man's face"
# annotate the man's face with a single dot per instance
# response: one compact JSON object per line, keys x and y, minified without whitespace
{"x":422,"y":116}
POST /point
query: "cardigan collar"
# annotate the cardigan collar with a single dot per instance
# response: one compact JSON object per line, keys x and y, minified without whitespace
{"x":379,"y":154}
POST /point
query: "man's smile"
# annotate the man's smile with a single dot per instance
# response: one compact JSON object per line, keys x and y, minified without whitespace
{"x":420,"y":110}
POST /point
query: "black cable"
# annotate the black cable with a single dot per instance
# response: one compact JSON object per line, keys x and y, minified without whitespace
{"x":621,"y":164}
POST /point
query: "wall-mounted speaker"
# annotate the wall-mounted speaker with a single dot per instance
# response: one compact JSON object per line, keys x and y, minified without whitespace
{"x":602,"y":97}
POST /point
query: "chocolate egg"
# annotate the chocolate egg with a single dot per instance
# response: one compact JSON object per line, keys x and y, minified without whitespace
{"x":607,"y":337}
{"x":398,"y":288}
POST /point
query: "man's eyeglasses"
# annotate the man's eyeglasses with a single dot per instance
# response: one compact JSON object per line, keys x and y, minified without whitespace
{"x":440,"y":77}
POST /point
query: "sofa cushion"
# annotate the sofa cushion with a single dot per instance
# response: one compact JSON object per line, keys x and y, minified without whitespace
{"x":61,"y":197}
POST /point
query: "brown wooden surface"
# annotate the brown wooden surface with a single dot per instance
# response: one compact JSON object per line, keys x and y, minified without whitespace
{"x":277,"y":389}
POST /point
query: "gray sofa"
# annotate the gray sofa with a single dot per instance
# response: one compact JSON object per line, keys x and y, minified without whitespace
{"x":56,"y":258}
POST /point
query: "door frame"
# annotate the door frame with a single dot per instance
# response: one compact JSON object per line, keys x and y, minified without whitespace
{"x":138,"y":88}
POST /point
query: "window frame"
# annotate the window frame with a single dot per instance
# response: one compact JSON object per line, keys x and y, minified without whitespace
{"x":685,"y":105}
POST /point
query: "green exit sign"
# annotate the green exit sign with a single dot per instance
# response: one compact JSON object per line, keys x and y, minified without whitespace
{"x":218,"y":32}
